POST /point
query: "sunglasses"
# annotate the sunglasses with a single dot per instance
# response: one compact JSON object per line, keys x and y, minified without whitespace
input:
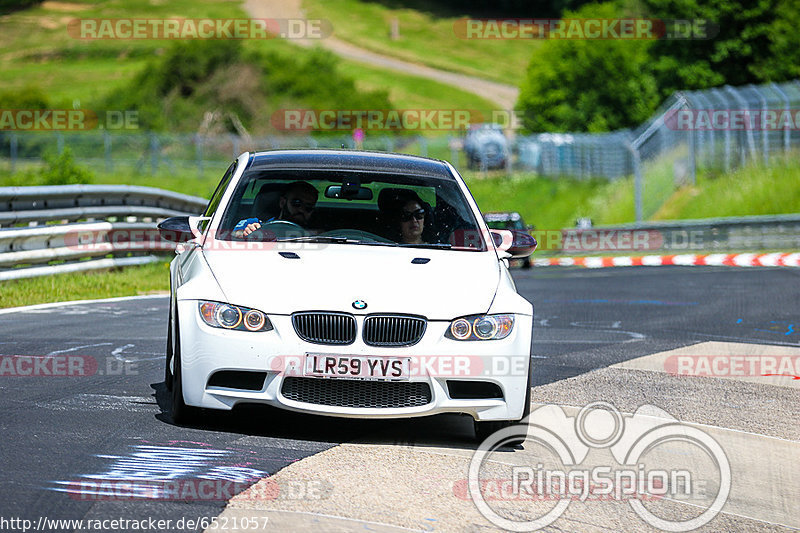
{"x":405,"y":216}
{"x":296,"y":202}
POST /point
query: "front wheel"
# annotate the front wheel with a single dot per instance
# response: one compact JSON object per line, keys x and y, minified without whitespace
{"x":167,"y":371}
{"x":179,"y":411}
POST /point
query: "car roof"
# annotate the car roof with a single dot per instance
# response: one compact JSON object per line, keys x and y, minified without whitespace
{"x":501,"y":216}
{"x":351,"y":160}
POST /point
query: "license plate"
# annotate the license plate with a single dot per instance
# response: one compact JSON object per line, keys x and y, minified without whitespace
{"x":357,"y":367}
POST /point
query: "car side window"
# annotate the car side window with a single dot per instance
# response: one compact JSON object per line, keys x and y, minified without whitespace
{"x":216,"y":198}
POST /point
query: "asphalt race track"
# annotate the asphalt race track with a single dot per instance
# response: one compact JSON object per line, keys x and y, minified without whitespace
{"x":63,"y":436}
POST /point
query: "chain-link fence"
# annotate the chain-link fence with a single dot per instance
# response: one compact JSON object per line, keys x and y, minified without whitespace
{"x":711,"y":131}
{"x":149,"y":153}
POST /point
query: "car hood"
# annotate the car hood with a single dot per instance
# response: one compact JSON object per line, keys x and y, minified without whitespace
{"x":450,"y":284}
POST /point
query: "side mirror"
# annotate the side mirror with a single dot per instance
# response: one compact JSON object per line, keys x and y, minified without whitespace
{"x":522,"y":245}
{"x":514,"y":243}
{"x":497,"y":238}
{"x":175,"y":229}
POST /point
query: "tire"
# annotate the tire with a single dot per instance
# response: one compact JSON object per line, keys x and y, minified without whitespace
{"x":179,"y":411}
{"x":483,"y":430}
{"x":167,"y":372}
{"x":526,"y":263}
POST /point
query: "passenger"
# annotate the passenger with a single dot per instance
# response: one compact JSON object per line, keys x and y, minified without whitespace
{"x":408,"y":215}
{"x":412,"y":222}
{"x":296,"y":205}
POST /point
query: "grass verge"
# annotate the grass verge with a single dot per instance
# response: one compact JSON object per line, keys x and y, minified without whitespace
{"x":751,"y":190}
{"x":126,"y":281}
{"x":38,"y":51}
{"x":411,"y":92}
{"x":547,"y":203}
{"x":421,"y":32}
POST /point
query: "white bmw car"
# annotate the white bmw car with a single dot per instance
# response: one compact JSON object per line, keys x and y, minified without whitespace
{"x":345,"y":283}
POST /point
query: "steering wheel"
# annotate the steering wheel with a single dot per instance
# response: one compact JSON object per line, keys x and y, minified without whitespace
{"x":283,"y":223}
{"x":280,"y":229}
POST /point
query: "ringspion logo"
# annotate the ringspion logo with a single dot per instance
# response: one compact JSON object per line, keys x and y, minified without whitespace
{"x":647,"y":456}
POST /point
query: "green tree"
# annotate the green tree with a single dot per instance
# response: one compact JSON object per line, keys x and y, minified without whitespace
{"x":757,"y":41}
{"x":588,"y":85}
{"x":62,"y":169}
{"x":174,"y":91}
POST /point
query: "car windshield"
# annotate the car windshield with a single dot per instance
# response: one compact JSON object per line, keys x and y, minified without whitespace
{"x":350,"y":207}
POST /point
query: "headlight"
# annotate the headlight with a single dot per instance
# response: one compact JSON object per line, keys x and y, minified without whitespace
{"x":228,"y":316}
{"x":480,"y":327}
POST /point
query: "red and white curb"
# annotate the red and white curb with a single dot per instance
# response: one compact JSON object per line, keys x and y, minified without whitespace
{"x":739,"y":260}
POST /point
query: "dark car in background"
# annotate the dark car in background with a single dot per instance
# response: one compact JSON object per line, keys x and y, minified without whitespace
{"x":510,"y":220}
{"x":486,"y":143}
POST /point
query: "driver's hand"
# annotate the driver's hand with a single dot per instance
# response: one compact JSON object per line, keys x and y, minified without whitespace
{"x":250,"y":228}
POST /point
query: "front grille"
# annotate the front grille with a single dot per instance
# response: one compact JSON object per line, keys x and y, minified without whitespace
{"x":325,"y":328}
{"x":359,"y":394}
{"x":393,"y":330}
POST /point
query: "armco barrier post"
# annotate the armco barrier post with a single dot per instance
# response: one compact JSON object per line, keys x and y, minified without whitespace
{"x":637,"y":180}
{"x":13,"y":154}
{"x":786,"y":132}
{"x":107,"y":150}
{"x":692,"y":158}
{"x":153,"y":153}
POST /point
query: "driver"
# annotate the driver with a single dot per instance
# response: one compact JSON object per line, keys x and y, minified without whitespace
{"x":296,"y":205}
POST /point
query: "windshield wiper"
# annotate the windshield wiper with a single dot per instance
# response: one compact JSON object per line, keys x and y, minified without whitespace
{"x":320,"y":238}
{"x":441,"y":245}
{"x":335,"y":240}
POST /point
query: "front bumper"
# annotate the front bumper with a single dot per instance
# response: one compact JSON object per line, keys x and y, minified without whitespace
{"x":279,"y":354}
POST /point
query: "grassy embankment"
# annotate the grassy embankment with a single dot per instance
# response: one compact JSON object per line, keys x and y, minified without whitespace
{"x":38,"y":51}
{"x":552,"y":204}
{"x":427,"y":35}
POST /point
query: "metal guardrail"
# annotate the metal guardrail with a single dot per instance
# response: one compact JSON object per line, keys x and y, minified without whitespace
{"x":104,"y":226}
{"x":116,"y":229}
{"x":729,"y":234}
